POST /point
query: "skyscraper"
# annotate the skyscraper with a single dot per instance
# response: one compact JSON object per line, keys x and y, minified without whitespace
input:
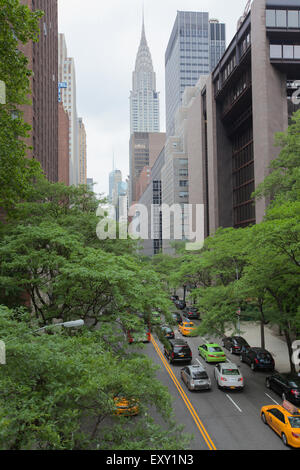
{"x":82,"y":152}
{"x":144,"y":99}
{"x":194,"y":49}
{"x":43,"y":114}
{"x":67,"y":82}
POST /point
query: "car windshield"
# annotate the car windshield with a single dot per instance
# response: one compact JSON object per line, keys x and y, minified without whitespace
{"x":294,"y":421}
{"x":214,"y":349}
{"x":182,"y":349}
{"x":295,"y":383}
{"x":199,"y":375}
{"x":230,"y":372}
{"x":264,"y":356}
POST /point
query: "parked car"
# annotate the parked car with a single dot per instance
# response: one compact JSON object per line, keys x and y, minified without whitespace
{"x":257,"y":358}
{"x":126,"y":407}
{"x":228,"y":376}
{"x":168,"y":332}
{"x":285,"y":421}
{"x":286,"y":385}
{"x":174,"y":298}
{"x":155,"y":318}
{"x":212,"y":352}
{"x":176,"y":317}
{"x":192,"y":313}
{"x":195,"y":377}
{"x":177,"y":350}
{"x":180,"y":304}
{"x":234,"y":344}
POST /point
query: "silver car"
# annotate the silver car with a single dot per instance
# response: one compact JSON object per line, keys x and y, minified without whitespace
{"x":229,"y":376}
{"x":195,"y":377}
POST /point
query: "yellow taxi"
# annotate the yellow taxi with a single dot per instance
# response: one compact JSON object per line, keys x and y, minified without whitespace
{"x":187,"y":328}
{"x":285,"y":421}
{"x":126,"y":407}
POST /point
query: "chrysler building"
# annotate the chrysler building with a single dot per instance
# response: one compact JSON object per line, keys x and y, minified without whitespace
{"x":144,"y":99}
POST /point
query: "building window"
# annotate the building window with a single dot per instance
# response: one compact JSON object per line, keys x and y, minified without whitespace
{"x":271,"y":18}
{"x":288,"y":52}
{"x":275,"y":51}
{"x":281,"y":18}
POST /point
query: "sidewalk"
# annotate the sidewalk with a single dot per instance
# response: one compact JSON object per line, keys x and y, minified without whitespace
{"x":275,"y":344}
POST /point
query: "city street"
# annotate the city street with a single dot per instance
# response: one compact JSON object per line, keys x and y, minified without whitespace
{"x":219,"y":419}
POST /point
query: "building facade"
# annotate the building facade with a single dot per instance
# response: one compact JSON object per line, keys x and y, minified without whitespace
{"x":63,"y":146}
{"x":144,"y":99}
{"x":67,"y":94}
{"x":43,"y":114}
{"x":144,"y":148}
{"x":82,"y":152}
{"x":196,"y":45}
{"x":239,"y":108}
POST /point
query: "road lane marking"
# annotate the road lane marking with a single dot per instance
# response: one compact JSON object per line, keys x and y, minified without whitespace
{"x":271,"y":398}
{"x":228,"y":396}
{"x":187,"y":402}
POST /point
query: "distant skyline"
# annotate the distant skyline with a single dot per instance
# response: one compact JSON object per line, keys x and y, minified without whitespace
{"x":103,"y":38}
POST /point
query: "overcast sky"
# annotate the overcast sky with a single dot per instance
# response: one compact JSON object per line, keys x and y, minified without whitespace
{"x":103,"y":37}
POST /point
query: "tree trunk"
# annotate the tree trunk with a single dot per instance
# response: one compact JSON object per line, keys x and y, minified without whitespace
{"x":262,"y":326}
{"x":290,"y":349}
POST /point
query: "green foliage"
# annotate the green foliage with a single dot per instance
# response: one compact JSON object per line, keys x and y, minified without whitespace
{"x":57,"y":392}
{"x":18,"y":25}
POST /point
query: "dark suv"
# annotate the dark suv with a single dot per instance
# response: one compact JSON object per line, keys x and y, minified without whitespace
{"x":234,"y":344}
{"x":192,"y":312}
{"x":177,"y":350}
{"x":180,"y":304}
{"x":286,"y":385}
{"x":257,"y":358}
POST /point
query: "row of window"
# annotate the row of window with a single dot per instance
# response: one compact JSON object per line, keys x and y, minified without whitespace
{"x":283,"y":18}
{"x":244,"y":214}
{"x":280,"y":51}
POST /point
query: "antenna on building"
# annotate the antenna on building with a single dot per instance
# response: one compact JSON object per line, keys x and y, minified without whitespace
{"x":245,"y":14}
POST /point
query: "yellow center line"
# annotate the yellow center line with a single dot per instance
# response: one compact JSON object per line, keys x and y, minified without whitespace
{"x":190,"y":407}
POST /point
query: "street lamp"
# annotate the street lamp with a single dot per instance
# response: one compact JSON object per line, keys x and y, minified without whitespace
{"x":67,"y":324}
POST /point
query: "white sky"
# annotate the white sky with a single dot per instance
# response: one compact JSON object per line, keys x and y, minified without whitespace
{"x":103,"y":37}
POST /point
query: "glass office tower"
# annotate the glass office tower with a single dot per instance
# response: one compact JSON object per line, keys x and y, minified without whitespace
{"x":194,"y":49}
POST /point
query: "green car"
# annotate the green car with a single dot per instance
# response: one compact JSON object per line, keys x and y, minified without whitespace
{"x":212,"y":352}
{"x":156,"y":318}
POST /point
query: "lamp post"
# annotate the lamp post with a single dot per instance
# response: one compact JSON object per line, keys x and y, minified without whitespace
{"x":67,"y":324}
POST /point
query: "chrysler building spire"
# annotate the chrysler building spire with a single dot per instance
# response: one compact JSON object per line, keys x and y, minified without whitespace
{"x":144,"y":99}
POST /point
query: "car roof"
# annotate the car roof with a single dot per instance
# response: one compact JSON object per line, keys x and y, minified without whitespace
{"x":261,"y":350}
{"x":290,"y":376}
{"x":197,"y":367}
{"x":230,"y":365}
{"x":284,"y":410}
{"x":178,"y":341}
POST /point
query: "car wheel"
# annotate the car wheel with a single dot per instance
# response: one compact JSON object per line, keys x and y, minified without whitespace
{"x":263,"y":417}
{"x":284,"y":439}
